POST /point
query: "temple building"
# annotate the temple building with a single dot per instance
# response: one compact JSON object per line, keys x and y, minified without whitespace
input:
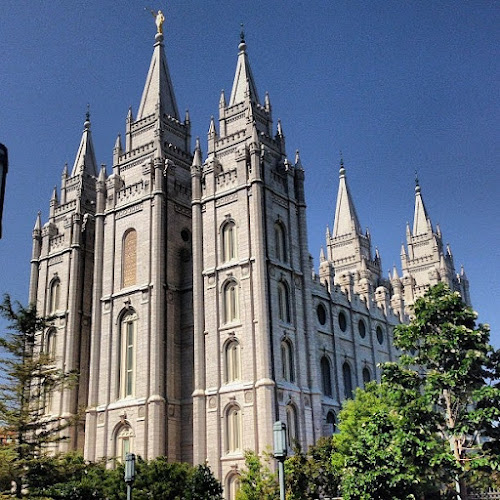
{"x":183,"y":288}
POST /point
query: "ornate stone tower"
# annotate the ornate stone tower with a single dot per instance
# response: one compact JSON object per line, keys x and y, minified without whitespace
{"x":349,"y":250}
{"x":252,"y":282}
{"x":141,"y":359}
{"x":61,"y":281}
{"x":355,"y":314}
{"x":425,"y":262}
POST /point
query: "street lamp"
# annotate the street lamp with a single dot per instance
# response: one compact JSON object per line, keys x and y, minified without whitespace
{"x":280,"y":452}
{"x":129,"y":473}
{"x":4,"y":167}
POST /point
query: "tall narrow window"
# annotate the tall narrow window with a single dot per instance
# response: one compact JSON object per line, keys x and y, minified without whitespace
{"x":287,"y":361}
{"x":233,"y":365}
{"x":127,"y":354}
{"x":283,"y":302}
{"x":233,"y":428}
{"x":129,"y":258}
{"x":123,"y":443}
{"x":50,"y":344}
{"x":330,"y":422}
{"x":292,"y":425}
{"x":228,"y":241}
{"x":326,"y":376}
{"x":233,"y":486}
{"x":280,"y":242}
{"x":231,"y":310}
{"x":366,"y":376}
{"x":55,"y":290}
{"x":346,"y":372}
{"x":47,"y":397}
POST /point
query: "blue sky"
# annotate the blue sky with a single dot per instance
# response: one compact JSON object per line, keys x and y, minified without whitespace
{"x":398,"y":86}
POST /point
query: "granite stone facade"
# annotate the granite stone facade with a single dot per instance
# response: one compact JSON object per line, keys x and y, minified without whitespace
{"x":183,"y":288}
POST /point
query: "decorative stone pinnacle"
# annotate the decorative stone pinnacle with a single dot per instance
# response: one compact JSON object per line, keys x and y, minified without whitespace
{"x":417,"y":184}
{"x":87,"y":117}
{"x":242,"y":46}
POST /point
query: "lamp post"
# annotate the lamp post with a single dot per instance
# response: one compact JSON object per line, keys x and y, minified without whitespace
{"x":4,"y":167}
{"x":129,"y":473}
{"x":280,"y":452}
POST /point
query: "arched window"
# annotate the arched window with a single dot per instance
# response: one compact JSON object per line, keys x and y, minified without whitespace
{"x":346,"y":372}
{"x":292,"y":425}
{"x":232,"y":358}
{"x":55,"y":291}
{"x":228,"y":246}
{"x":50,"y":344}
{"x":283,"y":302}
{"x":231,"y":309}
{"x":129,"y":258}
{"x":233,"y":486}
{"x":280,"y":242}
{"x":123,"y":443}
{"x":47,"y":390}
{"x":366,"y":375}
{"x":287,"y":360}
{"x":233,"y":429}
{"x":326,"y":376}
{"x":128,"y":333}
{"x":331,"y":423}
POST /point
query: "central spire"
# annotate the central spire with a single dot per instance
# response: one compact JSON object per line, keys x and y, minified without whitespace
{"x":243,"y":79}
{"x":421,"y":221}
{"x":158,"y":87}
{"x":85,"y":157}
{"x":346,"y":218}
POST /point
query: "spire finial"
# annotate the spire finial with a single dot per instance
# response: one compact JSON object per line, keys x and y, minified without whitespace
{"x":417,"y":184}
{"x":87,"y":117}
{"x":342,"y":169}
{"x":242,"y":46}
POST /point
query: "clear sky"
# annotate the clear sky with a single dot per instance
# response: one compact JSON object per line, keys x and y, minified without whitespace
{"x":398,"y":86}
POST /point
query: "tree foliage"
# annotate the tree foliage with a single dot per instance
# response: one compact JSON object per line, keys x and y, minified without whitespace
{"x":27,"y":375}
{"x":69,"y":477}
{"x":312,"y":475}
{"x":383,"y":450}
{"x":449,"y":368}
{"x":257,"y":482}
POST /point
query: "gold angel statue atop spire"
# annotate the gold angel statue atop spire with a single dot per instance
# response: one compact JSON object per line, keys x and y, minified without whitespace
{"x":159,"y":20}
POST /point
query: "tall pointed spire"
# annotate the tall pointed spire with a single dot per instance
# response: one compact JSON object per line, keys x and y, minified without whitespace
{"x":243,"y":82}
{"x":85,"y":157}
{"x":158,"y":85}
{"x":197,"y":160}
{"x":421,"y":222}
{"x":346,"y":218}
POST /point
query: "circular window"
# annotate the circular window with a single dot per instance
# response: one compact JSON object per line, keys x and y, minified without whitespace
{"x":342,"y":321}
{"x":380,"y":335}
{"x":185,"y":235}
{"x":321,"y":312}
{"x":362,"y":329}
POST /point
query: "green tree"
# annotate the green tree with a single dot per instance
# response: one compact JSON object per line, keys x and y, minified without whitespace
{"x":26,"y":376}
{"x":257,"y":482}
{"x":312,"y":474}
{"x":204,"y":485}
{"x":70,"y":477}
{"x":449,"y":368}
{"x":382,"y":449}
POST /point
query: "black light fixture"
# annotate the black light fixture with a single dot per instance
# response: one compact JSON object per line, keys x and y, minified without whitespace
{"x":4,"y":167}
